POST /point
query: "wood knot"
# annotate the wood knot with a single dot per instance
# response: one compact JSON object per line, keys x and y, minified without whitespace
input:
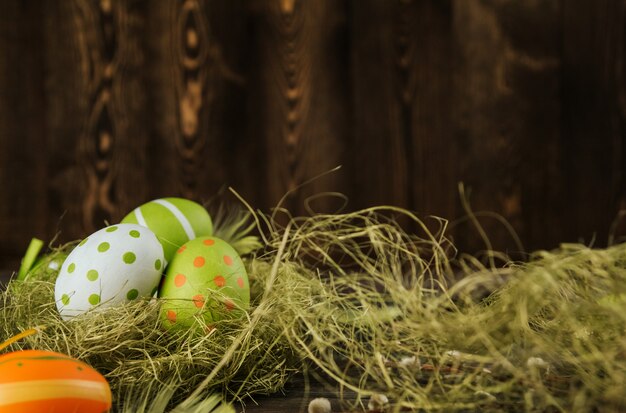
{"x":105,"y":141}
{"x":287,"y":6}
{"x":108,"y":71}
{"x":192,"y":38}
{"x":106,"y":6}
{"x":190,"y":104}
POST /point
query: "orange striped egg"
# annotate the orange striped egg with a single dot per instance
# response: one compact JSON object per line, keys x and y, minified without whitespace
{"x":34,"y":381}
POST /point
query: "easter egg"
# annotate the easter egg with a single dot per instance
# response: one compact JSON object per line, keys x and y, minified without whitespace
{"x":116,"y":264}
{"x":34,"y":381}
{"x":173,"y":220}
{"x":207,"y":279}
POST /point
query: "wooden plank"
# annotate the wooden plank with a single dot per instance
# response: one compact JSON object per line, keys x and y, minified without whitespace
{"x":184,"y":98}
{"x":97,"y":133}
{"x":197,"y":90}
{"x":67,"y":102}
{"x":507,"y":117}
{"x":403,"y":88}
{"x":593,"y":116}
{"x":22,"y":144}
{"x":235,"y":148}
{"x":296,"y":399}
{"x":424,"y":67}
{"x":299,"y":93}
{"x":379,"y":148}
{"x":532,"y":73}
{"x":163,"y":79}
{"x":183,"y":80}
{"x":130,"y":115}
{"x":70,"y":89}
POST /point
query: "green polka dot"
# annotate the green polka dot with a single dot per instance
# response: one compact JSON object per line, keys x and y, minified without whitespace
{"x":94,"y":299}
{"x":134,"y":233}
{"x":79,"y":368}
{"x":65,"y":299}
{"x":103,"y":247}
{"x":111,"y":229}
{"x":83,"y":242}
{"x":129,"y":257}
{"x":20,"y":364}
{"x":157,"y":265}
{"x":71,"y":268}
{"x":92,"y":275}
{"x":132,"y":294}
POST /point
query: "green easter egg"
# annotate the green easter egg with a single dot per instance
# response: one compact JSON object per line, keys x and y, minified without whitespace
{"x":174,"y":221}
{"x":206,"y":278}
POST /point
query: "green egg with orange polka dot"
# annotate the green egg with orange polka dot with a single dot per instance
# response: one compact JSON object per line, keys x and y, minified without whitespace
{"x":174,"y":221}
{"x":206,"y":281}
{"x":117,"y":264}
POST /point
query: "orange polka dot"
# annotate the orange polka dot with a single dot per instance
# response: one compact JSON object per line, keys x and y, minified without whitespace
{"x":228,"y":260}
{"x":240,"y":282}
{"x":198,"y":262}
{"x":219,"y":281}
{"x":181,"y":249}
{"x":229,"y":305}
{"x":198,"y":300}
{"x":171,"y":316}
{"x":179,"y":280}
{"x":208,"y":242}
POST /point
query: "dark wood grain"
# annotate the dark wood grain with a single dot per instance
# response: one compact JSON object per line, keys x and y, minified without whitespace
{"x":381,"y":164}
{"x":105,"y":104}
{"x":425,"y":62}
{"x":593,"y":116}
{"x":67,"y":80}
{"x":197,"y":99}
{"x":185,"y":73}
{"x":508,"y":116}
{"x":531,"y":74}
{"x":95,"y":67}
{"x":403,"y":91}
{"x":301,"y":109}
{"x":296,"y":397}
{"x":235,"y":148}
{"x":128,"y":148}
{"x":22,"y":128}
{"x":486,"y":119}
{"x":99,"y":24}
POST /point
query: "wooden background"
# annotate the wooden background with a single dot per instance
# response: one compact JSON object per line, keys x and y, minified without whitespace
{"x":107,"y":104}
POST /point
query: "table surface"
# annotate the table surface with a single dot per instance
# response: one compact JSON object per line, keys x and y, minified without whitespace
{"x":295,"y":400}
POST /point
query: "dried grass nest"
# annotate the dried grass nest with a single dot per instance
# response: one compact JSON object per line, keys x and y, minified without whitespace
{"x":357,"y":301}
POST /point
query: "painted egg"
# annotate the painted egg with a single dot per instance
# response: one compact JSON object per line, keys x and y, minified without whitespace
{"x":34,"y":381}
{"x":173,"y":220}
{"x":116,"y":264}
{"x":207,"y":279}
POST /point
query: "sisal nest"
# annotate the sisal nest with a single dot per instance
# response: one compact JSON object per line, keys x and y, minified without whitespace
{"x":356,"y":301}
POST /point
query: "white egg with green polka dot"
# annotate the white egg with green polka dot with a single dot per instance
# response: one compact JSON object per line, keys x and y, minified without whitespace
{"x":117,"y":264}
